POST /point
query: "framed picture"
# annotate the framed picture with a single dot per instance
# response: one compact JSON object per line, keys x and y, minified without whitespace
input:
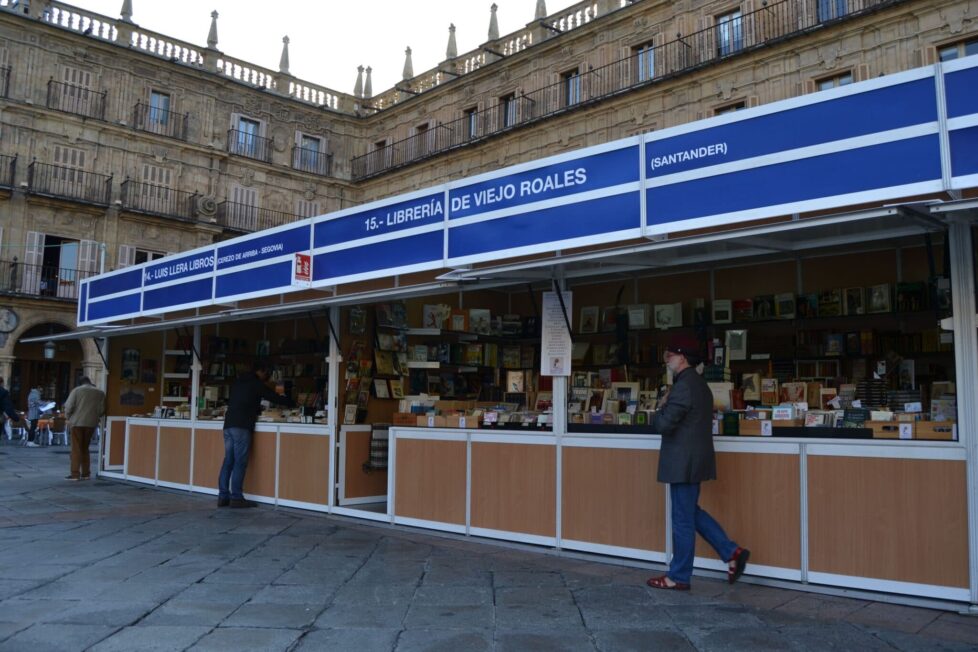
{"x":719,"y":356}
{"x":624,"y":391}
{"x":668,"y":315}
{"x":609,"y":318}
{"x":350,"y":414}
{"x":784,"y":305}
{"x":638,"y":316}
{"x":722,"y":311}
{"x":589,"y":319}
{"x":736,"y":344}
{"x":879,"y":298}
{"x":130,"y":365}
{"x":853,"y":301}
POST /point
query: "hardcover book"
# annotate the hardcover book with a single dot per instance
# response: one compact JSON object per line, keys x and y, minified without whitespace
{"x":879,"y":298}
{"x":480,"y":321}
{"x":806,"y":306}
{"x":784,"y":305}
{"x":722,"y":311}
{"x":764,"y":307}
{"x":854,"y":301}
{"x":511,"y":357}
{"x":769,"y":391}
{"x":380,"y":388}
{"x":830,"y":303}
{"x":743,"y":309}
{"x":751,"y":386}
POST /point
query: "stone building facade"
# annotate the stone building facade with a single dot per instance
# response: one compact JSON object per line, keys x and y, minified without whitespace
{"x":119,"y":144}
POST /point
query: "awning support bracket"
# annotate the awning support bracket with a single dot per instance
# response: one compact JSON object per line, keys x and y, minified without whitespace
{"x":190,"y":338}
{"x":332,"y":330}
{"x":101,"y":353}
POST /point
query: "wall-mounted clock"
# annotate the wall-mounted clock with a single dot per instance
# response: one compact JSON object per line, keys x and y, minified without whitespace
{"x":8,"y":320}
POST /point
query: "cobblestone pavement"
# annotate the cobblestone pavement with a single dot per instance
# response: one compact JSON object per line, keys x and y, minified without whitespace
{"x":104,"y":566}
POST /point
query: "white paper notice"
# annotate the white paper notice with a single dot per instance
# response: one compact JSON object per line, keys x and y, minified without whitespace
{"x":555,"y":358}
{"x":906,"y":431}
{"x":766,"y":429}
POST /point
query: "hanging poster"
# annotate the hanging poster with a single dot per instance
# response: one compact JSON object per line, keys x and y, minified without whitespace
{"x":556,"y":346}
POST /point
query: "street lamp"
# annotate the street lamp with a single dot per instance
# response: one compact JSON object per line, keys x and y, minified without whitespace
{"x":49,"y":350}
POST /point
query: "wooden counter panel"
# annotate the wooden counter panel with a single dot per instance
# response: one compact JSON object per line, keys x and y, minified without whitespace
{"x":610,"y":496}
{"x":208,"y":457}
{"x":174,"y":455}
{"x":757,"y":500}
{"x":514,"y":488}
{"x":430,"y":480}
{"x":357,"y":482}
{"x":142,"y":451}
{"x":117,"y":443}
{"x":893,"y":519}
{"x":304,"y":468}
{"x":260,"y":475}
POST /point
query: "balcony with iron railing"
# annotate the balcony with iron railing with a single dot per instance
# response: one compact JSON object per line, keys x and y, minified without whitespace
{"x":248,"y":219}
{"x":160,"y":121}
{"x":310,"y":160}
{"x":773,"y":22}
{"x":68,"y":183}
{"x":244,"y":143}
{"x":76,"y":99}
{"x":157,"y":200}
{"x":44,"y":281}
{"x":8,"y":171}
{"x":4,"y":81}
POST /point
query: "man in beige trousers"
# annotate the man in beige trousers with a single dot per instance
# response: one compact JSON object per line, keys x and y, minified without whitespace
{"x":84,"y":407}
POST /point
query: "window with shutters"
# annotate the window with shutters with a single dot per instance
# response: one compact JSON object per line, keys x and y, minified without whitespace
{"x":68,"y":172}
{"x":159,"y":112}
{"x":963,"y":48}
{"x":831,"y":9}
{"x":729,"y":33}
{"x":733,"y":107}
{"x":310,"y":154}
{"x":76,"y":91}
{"x":307,"y":208}
{"x":571,"y":85}
{"x":242,"y":210}
{"x":507,"y":106}
{"x":471,"y":122}
{"x":154,"y":191}
{"x":4,"y":72}
{"x":833,"y":81}
{"x":643,"y":62}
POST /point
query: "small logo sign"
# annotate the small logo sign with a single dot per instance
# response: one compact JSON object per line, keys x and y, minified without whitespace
{"x":303,"y":269}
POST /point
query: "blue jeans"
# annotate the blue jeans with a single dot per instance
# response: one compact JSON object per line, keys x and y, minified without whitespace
{"x":687,"y":520}
{"x":237,"y":443}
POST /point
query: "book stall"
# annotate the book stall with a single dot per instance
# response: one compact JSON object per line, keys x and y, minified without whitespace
{"x":484,"y":357}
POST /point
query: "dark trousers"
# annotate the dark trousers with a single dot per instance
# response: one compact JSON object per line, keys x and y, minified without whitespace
{"x":33,"y":431}
{"x":688,"y":518}
{"x":81,"y":463}
{"x":237,"y":445}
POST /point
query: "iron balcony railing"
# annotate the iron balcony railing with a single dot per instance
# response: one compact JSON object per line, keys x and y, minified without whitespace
{"x":76,"y":99}
{"x":155,"y":120}
{"x":243,"y":217}
{"x":245,"y":143}
{"x":8,"y":171}
{"x":4,"y":81}
{"x":41,"y":280}
{"x":70,"y":183}
{"x":733,"y":35}
{"x":158,"y":200}
{"x":310,"y":160}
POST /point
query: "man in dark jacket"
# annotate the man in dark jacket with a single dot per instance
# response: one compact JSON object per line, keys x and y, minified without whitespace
{"x":244,"y":405}
{"x":686,"y":459}
{"x":7,"y":406}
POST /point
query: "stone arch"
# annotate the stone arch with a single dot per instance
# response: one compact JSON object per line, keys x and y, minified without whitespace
{"x":91,"y":359}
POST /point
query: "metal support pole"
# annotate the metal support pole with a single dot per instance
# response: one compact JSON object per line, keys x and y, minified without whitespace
{"x":966,"y":366}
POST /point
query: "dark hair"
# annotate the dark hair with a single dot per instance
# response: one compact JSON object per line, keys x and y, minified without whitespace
{"x":261,"y":365}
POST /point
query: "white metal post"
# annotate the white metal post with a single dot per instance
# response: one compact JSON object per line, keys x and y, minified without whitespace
{"x":966,"y":366}
{"x":195,"y":375}
{"x":334,"y":360}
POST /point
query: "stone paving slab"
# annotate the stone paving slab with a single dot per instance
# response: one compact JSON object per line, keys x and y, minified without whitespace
{"x":110,"y":566}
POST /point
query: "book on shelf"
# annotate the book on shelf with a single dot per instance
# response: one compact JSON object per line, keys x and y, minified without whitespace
{"x":784,"y":305}
{"x":722,"y":311}
{"x":420,"y":353}
{"x":911,"y":297}
{"x":579,"y":351}
{"x":515,"y":381}
{"x":813,"y":392}
{"x":721,"y":395}
{"x":806,"y":306}
{"x":751,"y":385}
{"x":399,"y":314}
{"x":668,"y":315}
{"x":825,"y":396}
{"x":358,"y":320}
{"x":878,"y":298}
{"x":459,"y":320}
{"x":511,"y":326}
{"x":385,"y":363}
{"x":385,"y":342}
{"x":480,"y":321}
{"x":793,"y":392}
{"x":743,"y":309}
{"x":855,"y":417}
{"x":384,"y":315}
{"x":769,"y":391}
{"x":834,"y":344}
{"x":527,"y":356}
{"x":473,"y":354}
{"x":435,"y":315}
{"x":490,"y":354}
{"x":830,"y":303}
{"x":764,"y":307}
{"x":380,"y":388}
{"x":511,"y":357}
{"x":853,"y":301}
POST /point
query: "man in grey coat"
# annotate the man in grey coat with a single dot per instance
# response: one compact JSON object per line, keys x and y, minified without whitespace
{"x":685,"y":421}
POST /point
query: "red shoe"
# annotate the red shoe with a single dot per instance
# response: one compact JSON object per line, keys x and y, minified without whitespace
{"x":660,"y":583}
{"x":740,"y":557}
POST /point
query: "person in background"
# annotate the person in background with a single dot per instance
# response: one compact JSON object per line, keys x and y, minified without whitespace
{"x":685,"y":421}
{"x":7,"y":406}
{"x":83,"y":409}
{"x":33,"y":413}
{"x":244,"y":404}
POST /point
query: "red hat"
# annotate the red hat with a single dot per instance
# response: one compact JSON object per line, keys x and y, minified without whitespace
{"x":686,"y":345}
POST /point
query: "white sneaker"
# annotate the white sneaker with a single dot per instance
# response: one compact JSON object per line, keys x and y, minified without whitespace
{"x":31,"y":444}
